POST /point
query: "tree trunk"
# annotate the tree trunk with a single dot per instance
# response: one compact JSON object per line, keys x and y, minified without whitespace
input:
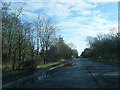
{"x":44,"y":57}
{"x":44,"y":60}
{"x":14,"y":60}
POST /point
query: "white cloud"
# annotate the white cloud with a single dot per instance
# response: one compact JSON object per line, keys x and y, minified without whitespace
{"x":81,"y":5}
{"x":77,"y":18}
{"x":59,"y":0}
{"x":32,"y":6}
{"x":30,"y":14}
{"x":86,"y":12}
{"x":76,"y":31}
{"x":58,"y":10}
{"x":103,"y":1}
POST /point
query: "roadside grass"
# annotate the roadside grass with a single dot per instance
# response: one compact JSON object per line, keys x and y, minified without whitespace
{"x":17,"y":72}
{"x":51,"y":64}
{"x":11,"y":73}
{"x":9,"y":76}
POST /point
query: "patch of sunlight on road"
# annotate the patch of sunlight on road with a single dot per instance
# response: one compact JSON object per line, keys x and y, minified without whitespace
{"x":95,"y":74}
{"x":106,"y":74}
{"x":111,"y":74}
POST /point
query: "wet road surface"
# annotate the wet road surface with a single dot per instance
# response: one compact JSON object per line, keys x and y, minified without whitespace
{"x":78,"y":73}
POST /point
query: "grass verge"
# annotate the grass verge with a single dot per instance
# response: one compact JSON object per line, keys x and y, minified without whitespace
{"x":50,"y":64}
{"x":9,"y":76}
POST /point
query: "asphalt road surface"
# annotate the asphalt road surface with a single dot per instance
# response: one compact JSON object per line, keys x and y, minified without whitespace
{"x":78,"y":73}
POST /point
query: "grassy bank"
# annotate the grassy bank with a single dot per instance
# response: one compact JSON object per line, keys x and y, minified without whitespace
{"x":50,"y":64}
{"x":9,"y":76}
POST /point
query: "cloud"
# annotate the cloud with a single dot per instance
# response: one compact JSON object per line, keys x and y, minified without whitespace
{"x":60,"y":0}
{"x":76,"y":29}
{"x":58,"y":10}
{"x":32,"y":6}
{"x":96,"y":1}
{"x":31,"y":15}
{"x":77,"y":19}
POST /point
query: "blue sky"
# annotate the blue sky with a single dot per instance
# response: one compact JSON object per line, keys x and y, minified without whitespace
{"x":76,"y":19}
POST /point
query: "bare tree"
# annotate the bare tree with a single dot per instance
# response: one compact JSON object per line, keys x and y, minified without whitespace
{"x":45,"y":34}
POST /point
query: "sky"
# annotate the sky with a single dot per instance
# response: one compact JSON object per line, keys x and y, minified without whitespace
{"x":76,"y":19}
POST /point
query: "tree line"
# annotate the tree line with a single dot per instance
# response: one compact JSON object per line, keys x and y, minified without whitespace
{"x":104,"y":47}
{"x":28,"y":44}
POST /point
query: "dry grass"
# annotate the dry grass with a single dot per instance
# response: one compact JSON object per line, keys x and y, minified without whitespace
{"x":51,"y":64}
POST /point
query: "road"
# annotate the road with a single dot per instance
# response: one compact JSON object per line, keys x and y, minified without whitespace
{"x":79,"y":73}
